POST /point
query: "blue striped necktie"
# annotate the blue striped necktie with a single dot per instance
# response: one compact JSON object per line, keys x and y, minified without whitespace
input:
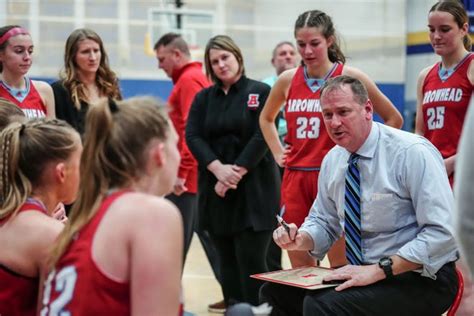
{"x":352,"y":212}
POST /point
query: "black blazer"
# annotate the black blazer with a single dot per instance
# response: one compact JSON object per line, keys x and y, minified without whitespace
{"x":65,"y":108}
{"x":225,"y":127}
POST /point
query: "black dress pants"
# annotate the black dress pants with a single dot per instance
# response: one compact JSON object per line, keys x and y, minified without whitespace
{"x":405,"y":294}
{"x":274,"y":256}
{"x":187,"y":205}
{"x":211,"y":252}
{"x":240,"y":255}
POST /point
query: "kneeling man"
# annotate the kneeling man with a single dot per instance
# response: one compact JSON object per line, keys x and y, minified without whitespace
{"x":387,"y":191}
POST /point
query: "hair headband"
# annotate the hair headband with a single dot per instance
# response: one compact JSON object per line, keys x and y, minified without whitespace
{"x":12,"y":32}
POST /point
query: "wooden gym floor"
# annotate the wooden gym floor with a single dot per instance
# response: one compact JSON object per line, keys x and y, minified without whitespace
{"x":199,"y":285}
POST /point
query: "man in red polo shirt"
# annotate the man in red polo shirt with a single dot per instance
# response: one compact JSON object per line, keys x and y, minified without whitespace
{"x":173,"y":55}
{"x":174,"y":58}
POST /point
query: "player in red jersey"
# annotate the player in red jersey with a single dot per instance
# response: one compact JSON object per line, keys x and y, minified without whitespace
{"x":444,"y":89}
{"x":443,"y":94}
{"x":121,"y":251}
{"x":34,"y":97}
{"x":39,"y":168}
{"x":307,"y":140}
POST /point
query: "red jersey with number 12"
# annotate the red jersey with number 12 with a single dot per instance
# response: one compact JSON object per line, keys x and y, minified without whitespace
{"x":77,"y":286}
{"x":445,"y":105}
{"x":307,"y":134}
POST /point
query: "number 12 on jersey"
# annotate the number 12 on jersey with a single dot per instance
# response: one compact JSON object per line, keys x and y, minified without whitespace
{"x":64,"y":280}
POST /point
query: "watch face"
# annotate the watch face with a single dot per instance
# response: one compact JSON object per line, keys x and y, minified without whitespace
{"x":386,"y":265}
{"x":385,"y":262}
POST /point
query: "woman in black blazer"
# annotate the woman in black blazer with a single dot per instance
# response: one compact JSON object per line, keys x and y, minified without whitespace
{"x":86,"y":78}
{"x":239,"y":183}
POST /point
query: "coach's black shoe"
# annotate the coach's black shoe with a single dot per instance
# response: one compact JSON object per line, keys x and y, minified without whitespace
{"x":218,"y":307}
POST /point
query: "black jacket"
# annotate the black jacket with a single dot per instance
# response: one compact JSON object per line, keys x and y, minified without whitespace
{"x":225,"y":127}
{"x":65,"y":108}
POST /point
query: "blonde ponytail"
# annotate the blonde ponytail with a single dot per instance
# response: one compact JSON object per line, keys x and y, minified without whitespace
{"x":117,"y":134}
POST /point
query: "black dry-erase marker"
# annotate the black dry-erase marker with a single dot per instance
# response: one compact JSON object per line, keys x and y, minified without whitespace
{"x":282,"y":222}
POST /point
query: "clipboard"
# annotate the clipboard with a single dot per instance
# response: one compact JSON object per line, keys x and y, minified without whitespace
{"x":310,"y":278}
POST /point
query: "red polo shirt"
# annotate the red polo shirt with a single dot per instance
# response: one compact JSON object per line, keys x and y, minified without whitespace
{"x":188,"y":81}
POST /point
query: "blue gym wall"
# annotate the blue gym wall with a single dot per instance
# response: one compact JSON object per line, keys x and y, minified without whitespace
{"x":162,"y":88}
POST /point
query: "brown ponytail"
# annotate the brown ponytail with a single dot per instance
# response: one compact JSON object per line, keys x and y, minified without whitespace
{"x":9,"y":112}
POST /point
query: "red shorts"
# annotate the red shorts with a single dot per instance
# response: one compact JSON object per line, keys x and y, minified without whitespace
{"x":298,"y":192}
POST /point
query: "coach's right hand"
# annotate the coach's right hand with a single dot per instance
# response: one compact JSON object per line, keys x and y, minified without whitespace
{"x":294,"y":240}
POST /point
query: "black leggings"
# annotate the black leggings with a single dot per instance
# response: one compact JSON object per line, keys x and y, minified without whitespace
{"x":242,"y":254}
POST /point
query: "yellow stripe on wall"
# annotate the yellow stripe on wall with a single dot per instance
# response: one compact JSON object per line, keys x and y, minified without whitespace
{"x":419,"y":38}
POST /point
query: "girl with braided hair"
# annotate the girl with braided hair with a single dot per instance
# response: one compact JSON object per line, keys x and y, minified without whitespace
{"x":39,"y":168}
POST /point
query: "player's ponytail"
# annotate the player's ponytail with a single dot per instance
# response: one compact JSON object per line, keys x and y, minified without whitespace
{"x":117,"y":135}
{"x":15,"y":187}
{"x":467,"y":42}
{"x":9,"y":113}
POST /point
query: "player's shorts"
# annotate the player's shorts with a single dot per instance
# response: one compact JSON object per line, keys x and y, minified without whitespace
{"x":298,"y":192}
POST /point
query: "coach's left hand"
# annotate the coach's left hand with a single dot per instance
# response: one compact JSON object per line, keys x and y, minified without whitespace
{"x":356,"y":275}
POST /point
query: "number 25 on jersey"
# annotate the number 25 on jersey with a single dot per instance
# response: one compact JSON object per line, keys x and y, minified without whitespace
{"x":435,"y":117}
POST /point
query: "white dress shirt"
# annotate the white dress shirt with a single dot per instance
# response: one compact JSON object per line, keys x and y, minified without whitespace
{"x":406,"y":201}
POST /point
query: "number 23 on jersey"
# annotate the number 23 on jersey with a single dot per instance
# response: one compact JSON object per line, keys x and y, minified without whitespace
{"x":307,"y":128}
